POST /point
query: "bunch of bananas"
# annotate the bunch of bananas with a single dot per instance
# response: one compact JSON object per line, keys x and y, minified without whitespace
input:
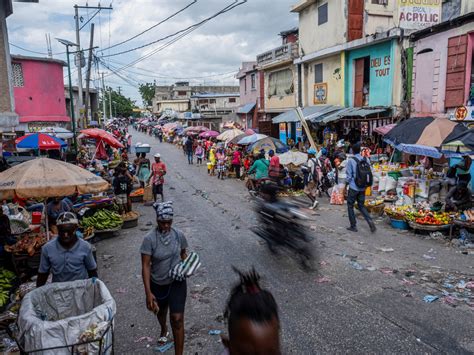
{"x":103,"y":219}
{"x":6,"y":278}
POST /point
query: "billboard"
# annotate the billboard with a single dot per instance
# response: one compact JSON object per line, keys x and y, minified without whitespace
{"x":419,"y":14}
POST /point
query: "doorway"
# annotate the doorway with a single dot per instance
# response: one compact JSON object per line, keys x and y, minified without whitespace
{"x":355,"y":20}
{"x":362,"y":82}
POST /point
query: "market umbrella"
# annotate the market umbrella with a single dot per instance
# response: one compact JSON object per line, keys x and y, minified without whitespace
{"x":383,"y":130}
{"x":196,"y":129}
{"x":230,"y":134}
{"x":293,"y":157}
{"x":102,"y":135}
{"x":44,"y":177}
{"x":251,"y":139}
{"x":461,"y":144}
{"x":423,"y":136}
{"x":40,"y":141}
{"x":59,"y":132}
{"x":267,"y":144}
{"x":249,"y":131}
{"x":209,"y":134}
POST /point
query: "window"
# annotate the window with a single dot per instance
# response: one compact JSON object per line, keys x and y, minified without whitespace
{"x":323,"y":14}
{"x":232,"y":100}
{"x":318,"y":73}
{"x":245,"y":84}
{"x":181,"y":93}
{"x":280,"y":83}
{"x":17,"y":73}
{"x":254,"y":81}
{"x":212,"y":101}
{"x":380,"y":2}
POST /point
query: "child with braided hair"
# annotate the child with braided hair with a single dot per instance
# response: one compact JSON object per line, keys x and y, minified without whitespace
{"x":252,"y":317}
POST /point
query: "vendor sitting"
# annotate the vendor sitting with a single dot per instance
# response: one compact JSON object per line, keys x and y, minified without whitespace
{"x":67,"y":257}
{"x":458,"y":198}
{"x":54,"y":208}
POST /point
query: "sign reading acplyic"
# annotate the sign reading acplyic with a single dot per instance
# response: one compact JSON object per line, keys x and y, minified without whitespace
{"x":419,"y":14}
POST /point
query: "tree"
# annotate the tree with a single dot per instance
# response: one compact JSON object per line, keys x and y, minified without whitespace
{"x":147,"y":91}
{"x":121,"y":105}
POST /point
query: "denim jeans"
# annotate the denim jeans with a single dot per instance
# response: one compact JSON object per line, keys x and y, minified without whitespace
{"x":354,"y":196}
{"x":190,"y":157}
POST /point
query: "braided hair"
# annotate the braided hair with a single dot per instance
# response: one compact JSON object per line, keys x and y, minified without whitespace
{"x":248,"y":300}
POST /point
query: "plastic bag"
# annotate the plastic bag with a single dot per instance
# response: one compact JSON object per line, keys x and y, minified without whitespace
{"x":337,"y":195}
{"x":148,"y":193}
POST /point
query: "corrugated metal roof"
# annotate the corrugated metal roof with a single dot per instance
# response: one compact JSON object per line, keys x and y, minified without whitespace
{"x":349,"y":112}
{"x":211,"y":95}
{"x":246,"y":108}
{"x":309,"y":113}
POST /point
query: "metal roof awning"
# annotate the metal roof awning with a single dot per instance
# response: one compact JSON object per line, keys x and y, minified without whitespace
{"x":309,"y":112}
{"x":245,"y":109}
{"x":349,"y":112}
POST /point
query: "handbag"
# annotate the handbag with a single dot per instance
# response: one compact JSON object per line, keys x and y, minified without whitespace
{"x":186,"y":267}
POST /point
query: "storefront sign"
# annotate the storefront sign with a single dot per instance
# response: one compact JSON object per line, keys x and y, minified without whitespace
{"x":282,"y":127}
{"x":380,"y":66}
{"x":419,"y":14}
{"x":320,"y":93}
{"x":462,"y":113}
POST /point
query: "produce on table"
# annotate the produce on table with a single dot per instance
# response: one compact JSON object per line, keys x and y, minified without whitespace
{"x":373,"y":203}
{"x":29,"y":244}
{"x":469,"y":215}
{"x":137,"y":192}
{"x":88,"y":232}
{"x":103,"y":219}
{"x":6,"y":278}
{"x":434,"y":218}
{"x":130,"y":216}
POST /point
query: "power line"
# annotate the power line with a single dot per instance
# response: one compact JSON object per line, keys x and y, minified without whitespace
{"x":172,"y":41}
{"x":31,"y":51}
{"x":154,"y":26}
{"x":196,"y":25}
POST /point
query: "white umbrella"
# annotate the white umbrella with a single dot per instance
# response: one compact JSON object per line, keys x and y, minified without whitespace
{"x":252,"y":139}
{"x":229,"y":134}
{"x":59,"y":132}
{"x":293,"y":157}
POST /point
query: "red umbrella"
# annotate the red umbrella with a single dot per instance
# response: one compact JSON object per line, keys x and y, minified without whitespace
{"x":209,"y":134}
{"x":102,"y":135}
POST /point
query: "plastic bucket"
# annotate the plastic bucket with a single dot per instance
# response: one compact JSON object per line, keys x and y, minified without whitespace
{"x":398,"y":224}
{"x":36,"y":218}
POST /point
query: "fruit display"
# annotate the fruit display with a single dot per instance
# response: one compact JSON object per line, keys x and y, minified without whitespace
{"x":137,"y":192}
{"x":434,"y":218}
{"x":103,"y":219}
{"x":468,"y":216}
{"x":373,"y":203}
{"x":6,"y":279}
{"x":88,"y":232}
{"x":130,"y":216}
{"x":29,"y":244}
{"x":399,"y":212}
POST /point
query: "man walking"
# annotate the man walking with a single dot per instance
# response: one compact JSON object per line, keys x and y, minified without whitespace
{"x":189,"y":149}
{"x":359,"y":177}
{"x":158,"y":171}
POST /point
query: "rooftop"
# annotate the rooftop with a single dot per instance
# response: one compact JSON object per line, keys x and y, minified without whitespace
{"x":38,"y":59}
{"x":213,"y":94}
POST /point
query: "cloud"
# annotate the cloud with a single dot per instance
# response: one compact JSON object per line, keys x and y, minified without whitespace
{"x":217,"y":47}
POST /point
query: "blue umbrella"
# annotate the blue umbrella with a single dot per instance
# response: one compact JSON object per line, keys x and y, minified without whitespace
{"x":40,"y":141}
{"x":252,"y":139}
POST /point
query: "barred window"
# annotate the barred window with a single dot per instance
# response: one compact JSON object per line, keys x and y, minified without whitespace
{"x":17,"y":73}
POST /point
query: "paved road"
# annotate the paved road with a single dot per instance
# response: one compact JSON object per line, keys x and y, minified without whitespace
{"x":368,"y":311}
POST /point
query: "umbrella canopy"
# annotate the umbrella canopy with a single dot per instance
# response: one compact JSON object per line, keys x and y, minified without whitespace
{"x":44,"y":177}
{"x":293,"y":157}
{"x":461,"y":144}
{"x":40,"y":141}
{"x":209,"y":134}
{"x":383,"y":130}
{"x":267,"y":144}
{"x":252,"y":139}
{"x":249,"y":131}
{"x":423,"y":136}
{"x":230,"y":134}
{"x":59,"y":132}
{"x":102,"y":135}
{"x":196,"y":129}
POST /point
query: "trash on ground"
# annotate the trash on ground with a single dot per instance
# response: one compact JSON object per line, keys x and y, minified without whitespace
{"x":428,"y":257}
{"x":322,"y":280}
{"x":164,"y":348}
{"x":144,"y":339}
{"x":356,"y":265}
{"x":386,"y":250}
{"x":430,"y":298}
{"x":215,"y":332}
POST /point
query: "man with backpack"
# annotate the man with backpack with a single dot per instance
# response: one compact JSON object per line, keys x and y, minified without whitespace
{"x":359,"y":177}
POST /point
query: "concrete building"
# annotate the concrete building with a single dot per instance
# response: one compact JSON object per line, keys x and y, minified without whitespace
{"x":93,"y":101}
{"x":250,"y":99}
{"x":177,"y":97}
{"x":39,"y":92}
{"x":8,"y":117}
{"x":443,"y":70}
{"x":215,"y":104}
{"x":278,"y":81}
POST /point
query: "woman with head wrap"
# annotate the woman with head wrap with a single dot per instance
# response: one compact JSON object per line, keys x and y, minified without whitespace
{"x":162,"y":249}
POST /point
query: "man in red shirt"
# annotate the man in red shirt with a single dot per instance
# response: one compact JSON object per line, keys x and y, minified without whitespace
{"x":158,"y":171}
{"x":274,"y":168}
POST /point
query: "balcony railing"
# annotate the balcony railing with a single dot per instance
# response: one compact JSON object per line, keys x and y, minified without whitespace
{"x":285,"y":52}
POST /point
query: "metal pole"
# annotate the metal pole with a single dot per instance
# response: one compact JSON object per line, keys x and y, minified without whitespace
{"x":73,"y":116}
{"x":88,"y":78}
{"x":79,"y":72}
{"x":104,"y":107}
{"x":110,"y":102}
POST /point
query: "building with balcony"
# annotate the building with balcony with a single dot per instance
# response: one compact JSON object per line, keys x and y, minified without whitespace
{"x":250,"y":98}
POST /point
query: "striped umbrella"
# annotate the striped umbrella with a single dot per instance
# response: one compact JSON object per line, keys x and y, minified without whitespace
{"x":462,"y":144}
{"x":423,"y":136}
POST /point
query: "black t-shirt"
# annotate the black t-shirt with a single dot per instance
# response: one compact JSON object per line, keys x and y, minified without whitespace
{"x":121,"y":184}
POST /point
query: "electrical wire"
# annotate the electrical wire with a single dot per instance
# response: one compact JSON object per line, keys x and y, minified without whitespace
{"x":29,"y":50}
{"x":194,"y":26}
{"x":152,"y":27}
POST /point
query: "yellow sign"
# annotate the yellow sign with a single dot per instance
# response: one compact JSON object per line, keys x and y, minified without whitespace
{"x":320,"y":93}
{"x":461,"y":113}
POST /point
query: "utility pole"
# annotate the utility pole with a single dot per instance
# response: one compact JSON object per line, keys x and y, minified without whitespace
{"x":120,"y":90}
{"x":88,"y":78}
{"x":78,"y":42}
{"x":110,"y":102}
{"x":104,"y":107}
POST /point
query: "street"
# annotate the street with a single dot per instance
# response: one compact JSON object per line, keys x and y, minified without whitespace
{"x":341,"y":309}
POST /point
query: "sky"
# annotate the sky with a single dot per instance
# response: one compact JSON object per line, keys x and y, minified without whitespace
{"x":211,"y":54}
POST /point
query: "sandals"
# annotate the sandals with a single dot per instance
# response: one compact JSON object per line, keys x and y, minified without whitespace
{"x":163,"y":340}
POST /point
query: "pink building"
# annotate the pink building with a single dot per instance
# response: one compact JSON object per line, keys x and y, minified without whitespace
{"x":38,"y":86}
{"x":443,"y":70}
{"x":249,"y":78}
